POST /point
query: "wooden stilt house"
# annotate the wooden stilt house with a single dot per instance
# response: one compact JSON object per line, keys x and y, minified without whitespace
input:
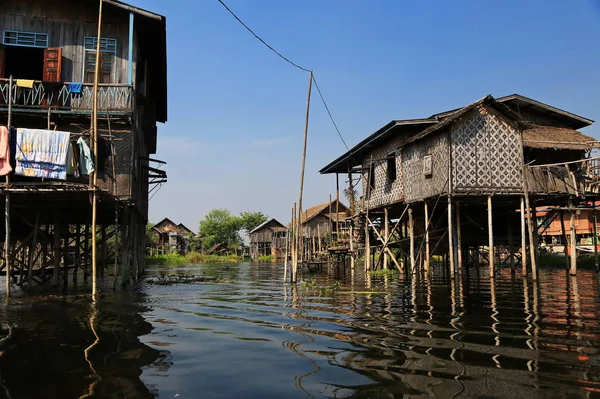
{"x":268,"y":239}
{"x":460,"y":183}
{"x":47,"y":67}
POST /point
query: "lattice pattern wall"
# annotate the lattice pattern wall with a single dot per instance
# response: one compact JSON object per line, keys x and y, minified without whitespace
{"x":486,"y":154}
{"x":417,"y":185}
{"x":383,"y":192}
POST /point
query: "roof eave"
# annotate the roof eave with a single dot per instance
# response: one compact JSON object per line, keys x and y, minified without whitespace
{"x":585,"y":121}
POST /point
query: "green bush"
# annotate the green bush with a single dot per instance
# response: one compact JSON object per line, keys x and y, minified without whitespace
{"x":191,"y":258}
{"x":266,"y":258}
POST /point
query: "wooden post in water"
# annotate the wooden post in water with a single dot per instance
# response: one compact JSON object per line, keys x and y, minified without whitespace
{"x":511,"y":249}
{"x":450,"y":237}
{"x":386,"y":234}
{"x":523,"y":239}
{"x":427,"y":252}
{"x":411,"y":232}
{"x":95,"y":148}
{"x":352,"y":245}
{"x":491,"y":237}
{"x":299,"y":217}
{"x":337,"y":203}
{"x":56,"y":251}
{"x":563,"y":237}
{"x":573,"y":239}
{"x":295,"y":243}
{"x":458,"y":238}
{"x":595,"y":239}
{"x":367,"y":244}
{"x":7,"y":249}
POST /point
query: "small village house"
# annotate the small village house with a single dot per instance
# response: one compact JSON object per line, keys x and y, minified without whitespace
{"x":268,"y":239}
{"x":172,"y":237}
{"x":449,"y":184}
{"x":323,"y":225}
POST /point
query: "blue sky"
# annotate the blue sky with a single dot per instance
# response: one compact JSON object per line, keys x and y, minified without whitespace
{"x":236,"y":111}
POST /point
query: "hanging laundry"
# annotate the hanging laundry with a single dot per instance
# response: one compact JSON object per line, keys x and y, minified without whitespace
{"x":5,"y":167}
{"x":73,"y":160}
{"x":75,"y":88}
{"x":86,"y":162}
{"x":25,"y":83}
{"x":42,"y":153}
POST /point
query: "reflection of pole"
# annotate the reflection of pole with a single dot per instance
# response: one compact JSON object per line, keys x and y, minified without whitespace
{"x":86,"y":352}
{"x":299,"y":214}
{"x":95,"y":178}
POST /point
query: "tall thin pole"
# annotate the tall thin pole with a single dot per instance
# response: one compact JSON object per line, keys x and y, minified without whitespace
{"x":523,"y":238}
{"x":7,"y":260}
{"x":450,"y":237}
{"x":491,"y":237}
{"x":287,"y":250}
{"x":458,"y":239}
{"x":427,"y":253}
{"x":299,"y":218}
{"x":95,"y":177}
{"x":595,"y":239}
{"x":386,"y":234}
{"x":573,"y":239}
{"x":411,"y":230}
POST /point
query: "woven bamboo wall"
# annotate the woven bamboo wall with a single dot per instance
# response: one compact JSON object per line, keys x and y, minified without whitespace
{"x":384,"y":192}
{"x":486,"y":154}
{"x":417,"y":185}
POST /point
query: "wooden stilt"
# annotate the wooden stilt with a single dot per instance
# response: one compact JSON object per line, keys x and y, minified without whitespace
{"x":491,"y":237}
{"x":7,"y":249}
{"x":77,"y":252}
{"x":531,"y":239}
{"x":56,"y":252}
{"x":564,"y":239}
{"x":595,"y":238}
{"x":33,"y":249}
{"x":386,"y":230}
{"x":573,"y":238}
{"x":511,"y":248}
{"x":352,"y":245}
{"x":523,"y":239}
{"x":427,"y":252}
{"x":337,"y":203}
{"x":450,"y":238}
{"x":63,"y":253}
{"x":458,"y":239}
{"x":295,"y":243}
{"x":86,"y":253}
{"x":535,"y":232}
{"x":367,"y":245}
{"x":411,"y":232}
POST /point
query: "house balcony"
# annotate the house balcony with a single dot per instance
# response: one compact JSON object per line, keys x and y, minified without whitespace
{"x":112,"y":98}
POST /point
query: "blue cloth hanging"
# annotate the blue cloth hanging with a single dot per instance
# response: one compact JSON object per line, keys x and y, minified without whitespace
{"x":75,"y":88}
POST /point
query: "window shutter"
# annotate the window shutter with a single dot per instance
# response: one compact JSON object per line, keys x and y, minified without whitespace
{"x":52,"y":64}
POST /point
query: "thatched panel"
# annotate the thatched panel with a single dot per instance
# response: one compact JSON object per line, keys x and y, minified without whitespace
{"x":383,"y":192}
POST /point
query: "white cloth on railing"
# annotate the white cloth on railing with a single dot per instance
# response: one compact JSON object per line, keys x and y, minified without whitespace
{"x":86,"y":161}
{"x":42,"y":153}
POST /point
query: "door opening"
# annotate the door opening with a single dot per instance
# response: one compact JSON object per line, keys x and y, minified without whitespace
{"x":24,"y":62}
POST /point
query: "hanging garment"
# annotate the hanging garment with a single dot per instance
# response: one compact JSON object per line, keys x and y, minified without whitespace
{"x":25,"y":83}
{"x":86,"y":161}
{"x":75,"y":88}
{"x":42,"y":153}
{"x":73,"y":162}
{"x":5,"y":167}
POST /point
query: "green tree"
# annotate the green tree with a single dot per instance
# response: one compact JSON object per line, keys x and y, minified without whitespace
{"x":250,"y":220}
{"x":219,"y":226}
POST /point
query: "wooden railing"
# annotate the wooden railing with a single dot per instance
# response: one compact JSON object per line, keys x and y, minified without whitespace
{"x":574,"y":178}
{"x":114,"y":97}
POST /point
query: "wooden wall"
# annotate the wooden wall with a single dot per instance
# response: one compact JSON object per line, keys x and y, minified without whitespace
{"x":486,"y":154}
{"x":67,"y":23}
{"x":384,"y":192}
{"x":319,"y":223}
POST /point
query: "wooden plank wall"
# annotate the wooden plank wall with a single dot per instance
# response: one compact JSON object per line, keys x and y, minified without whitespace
{"x":67,"y":23}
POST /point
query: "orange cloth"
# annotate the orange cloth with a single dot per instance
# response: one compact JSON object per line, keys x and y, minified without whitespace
{"x":5,"y":167}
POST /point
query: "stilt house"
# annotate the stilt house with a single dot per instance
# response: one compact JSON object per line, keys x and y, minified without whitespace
{"x":268,"y":239}
{"x":47,"y":69}
{"x":457,"y":183}
{"x":173,"y":237}
{"x":328,"y":219}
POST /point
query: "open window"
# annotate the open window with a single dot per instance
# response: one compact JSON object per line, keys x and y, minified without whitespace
{"x":108,"y":53}
{"x":391,"y":167}
{"x":25,"y":55}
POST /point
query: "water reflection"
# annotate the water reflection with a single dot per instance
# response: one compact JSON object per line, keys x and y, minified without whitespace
{"x":63,"y":347}
{"x":241,"y":333}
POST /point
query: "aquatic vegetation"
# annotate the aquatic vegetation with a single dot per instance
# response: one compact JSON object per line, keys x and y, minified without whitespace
{"x":191,"y":258}
{"x":266,"y":258}
{"x":383,"y":272}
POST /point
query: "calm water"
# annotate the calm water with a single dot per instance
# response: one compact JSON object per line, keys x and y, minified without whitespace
{"x":242,"y":334}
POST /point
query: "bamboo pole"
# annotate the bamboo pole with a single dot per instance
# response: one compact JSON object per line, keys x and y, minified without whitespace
{"x":287,"y":250}
{"x":450,"y":237}
{"x":531,"y":237}
{"x":491,"y":237}
{"x":299,"y":221}
{"x":427,"y":253}
{"x":351,"y":246}
{"x":329,"y":225}
{"x":337,"y":203}
{"x":573,"y":239}
{"x":95,"y":176}
{"x":523,"y":239}
{"x":7,"y":259}
{"x":294,"y":246}
{"x":367,"y":255}
{"x":595,"y":239}
{"x":458,"y":238}
{"x":386,"y":234}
